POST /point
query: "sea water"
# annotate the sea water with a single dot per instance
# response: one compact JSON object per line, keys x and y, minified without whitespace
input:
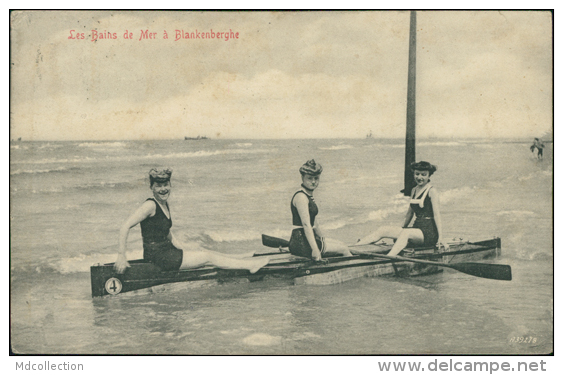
{"x":69,"y":199}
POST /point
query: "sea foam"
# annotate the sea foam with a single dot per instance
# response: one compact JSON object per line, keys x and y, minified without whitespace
{"x":174,"y":155}
{"x":339,"y":147}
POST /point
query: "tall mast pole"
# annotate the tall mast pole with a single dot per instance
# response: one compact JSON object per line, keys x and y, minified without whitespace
{"x":410,"y":148}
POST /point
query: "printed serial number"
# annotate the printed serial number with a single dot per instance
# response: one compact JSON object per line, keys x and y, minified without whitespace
{"x":524,"y":340}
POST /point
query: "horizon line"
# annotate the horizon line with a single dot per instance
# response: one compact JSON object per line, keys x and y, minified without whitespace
{"x":20,"y":139}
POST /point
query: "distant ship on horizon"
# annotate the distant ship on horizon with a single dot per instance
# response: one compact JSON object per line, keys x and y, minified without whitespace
{"x":194,"y":138}
{"x":369,"y":135}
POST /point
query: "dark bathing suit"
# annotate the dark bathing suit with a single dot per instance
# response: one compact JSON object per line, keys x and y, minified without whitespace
{"x":157,"y":248}
{"x":298,"y":244}
{"x":539,"y":146}
{"x":425,"y":218}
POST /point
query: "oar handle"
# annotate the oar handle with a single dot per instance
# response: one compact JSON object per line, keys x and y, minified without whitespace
{"x":270,"y":241}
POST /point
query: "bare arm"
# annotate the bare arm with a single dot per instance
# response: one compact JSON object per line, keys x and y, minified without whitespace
{"x":408,"y":218}
{"x":177,"y":244}
{"x":317,"y":228}
{"x":433,"y":193}
{"x":147,"y":209}
{"x":301,"y":202}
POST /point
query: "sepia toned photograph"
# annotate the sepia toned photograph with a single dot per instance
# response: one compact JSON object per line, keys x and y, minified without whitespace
{"x":281,"y":182}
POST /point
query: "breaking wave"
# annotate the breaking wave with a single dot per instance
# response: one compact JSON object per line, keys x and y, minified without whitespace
{"x":516,"y":213}
{"x":397,"y":205}
{"x":104,"y":185}
{"x":448,"y":196}
{"x":177,"y":155}
{"x":518,"y":251}
{"x":18,"y":147}
{"x":83,"y":187}
{"x":232,"y":235}
{"x":536,"y":175}
{"x":336,"y":224}
{"x":382,"y":214}
{"x":76,"y":264}
{"x":50,"y":146}
{"x":339,"y":147}
{"x":102,"y":144}
{"x":82,"y":263}
{"x":208,"y":237}
{"x":444,"y":144}
{"x":39,"y":171}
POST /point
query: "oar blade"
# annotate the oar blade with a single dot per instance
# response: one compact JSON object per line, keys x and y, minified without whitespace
{"x":270,"y":241}
{"x":485,"y":270}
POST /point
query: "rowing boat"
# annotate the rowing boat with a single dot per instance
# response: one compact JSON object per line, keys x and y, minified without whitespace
{"x":420,"y":261}
{"x":142,"y":274}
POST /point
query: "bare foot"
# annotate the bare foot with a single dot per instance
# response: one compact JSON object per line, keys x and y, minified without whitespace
{"x":258,"y":263}
{"x":369,"y":239}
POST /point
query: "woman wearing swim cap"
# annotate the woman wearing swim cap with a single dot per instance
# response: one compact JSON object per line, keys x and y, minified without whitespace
{"x":306,"y":238}
{"x":160,"y":247}
{"x":425,"y":205}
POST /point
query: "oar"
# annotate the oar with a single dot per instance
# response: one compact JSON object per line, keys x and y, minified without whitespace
{"x":485,"y":270}
{"x":272,"y":253}
{"x":274,"y":241}
{"x":270,"y":241}
{"x":280,"y":242}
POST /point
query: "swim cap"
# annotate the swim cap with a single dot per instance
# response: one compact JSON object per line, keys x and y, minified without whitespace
{"x":311,"y":168}
{"x":160,"y":175}
{"x":424,"y":166}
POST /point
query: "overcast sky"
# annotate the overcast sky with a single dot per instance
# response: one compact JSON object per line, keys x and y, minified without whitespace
{"x":289,"y":74}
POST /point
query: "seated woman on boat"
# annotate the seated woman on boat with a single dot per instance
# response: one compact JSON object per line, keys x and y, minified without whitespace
{"x":425,"y":205}
{"x":307,"y":239}
{"x":160,"y":246}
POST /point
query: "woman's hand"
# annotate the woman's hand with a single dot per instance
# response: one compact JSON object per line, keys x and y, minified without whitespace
{"x":316,"y":255}
{"x":301,"y":202}
{"x":121,"y":263}
{"x":147,"y":209}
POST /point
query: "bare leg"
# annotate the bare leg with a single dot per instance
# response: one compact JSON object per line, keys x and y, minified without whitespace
{"x":193,"y":259}
{"x":381,"y":232}
{"x":334,"y":246}
{"x":249,"y":254}
{"x":413,"y":234}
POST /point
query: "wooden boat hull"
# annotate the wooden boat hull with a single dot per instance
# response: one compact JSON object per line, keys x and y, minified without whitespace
{"x":142,"y":274}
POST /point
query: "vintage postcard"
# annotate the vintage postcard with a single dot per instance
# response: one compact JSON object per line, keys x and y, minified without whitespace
{"x":229,"y":183}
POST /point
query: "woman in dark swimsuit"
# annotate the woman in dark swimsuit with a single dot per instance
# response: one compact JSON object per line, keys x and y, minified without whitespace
{"x":160,"y":246}
{"x":425,"y":205}
{"x":307,"y":239}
